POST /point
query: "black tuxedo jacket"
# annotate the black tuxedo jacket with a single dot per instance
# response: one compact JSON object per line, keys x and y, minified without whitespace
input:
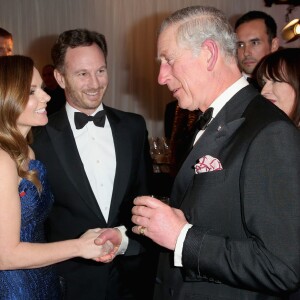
{"x":245,"y":239}
{"x":75,"y":207}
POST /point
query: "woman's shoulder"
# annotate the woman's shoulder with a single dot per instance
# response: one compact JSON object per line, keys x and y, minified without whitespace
{"x":5,"y":158}
{"x":8,"y":165}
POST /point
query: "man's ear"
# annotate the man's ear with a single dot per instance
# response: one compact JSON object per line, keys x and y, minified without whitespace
{"x":59,"y":78}
{"x":212,"y":53}
{"x":275,"y":44}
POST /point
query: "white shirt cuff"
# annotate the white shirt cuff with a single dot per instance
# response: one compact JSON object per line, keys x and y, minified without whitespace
{"x":179,"y":245}
{"x":124,"y":242}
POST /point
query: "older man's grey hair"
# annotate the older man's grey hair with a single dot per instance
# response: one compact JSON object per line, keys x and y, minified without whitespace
{"x":200,"y":23}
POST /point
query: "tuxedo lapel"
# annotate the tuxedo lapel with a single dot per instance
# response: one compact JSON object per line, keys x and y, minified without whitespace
{"x":63,"y":141}
{"x":123,"y":150}
{"x":213,"y":140}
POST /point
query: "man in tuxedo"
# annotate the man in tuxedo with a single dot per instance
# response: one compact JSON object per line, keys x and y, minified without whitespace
{"x":98,"y":160}
{"x":232,"y":228}
{"x":256,"y":37}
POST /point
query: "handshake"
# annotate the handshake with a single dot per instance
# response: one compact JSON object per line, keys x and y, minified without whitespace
{"x":101,"y":245}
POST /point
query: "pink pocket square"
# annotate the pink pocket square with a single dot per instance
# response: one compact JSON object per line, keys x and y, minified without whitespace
{"x":207,"y":163}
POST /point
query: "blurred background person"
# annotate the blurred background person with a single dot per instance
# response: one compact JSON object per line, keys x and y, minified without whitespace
{"x":6,"y":43}
{"x":279,"y":75}
{"x":256,"y":37}
{"x":169,"y":118}
{"x":182,"y":129}
{"x":52,"y":88}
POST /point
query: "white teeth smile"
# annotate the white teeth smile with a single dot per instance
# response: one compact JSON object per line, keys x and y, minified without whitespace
{"x":92,"y":94}
{"x":40,"y":111}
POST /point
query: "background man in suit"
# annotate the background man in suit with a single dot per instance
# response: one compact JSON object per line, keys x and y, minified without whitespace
{"x":256,"y":37}
{"x":94,"y":171}
{"x":6,"y":43}
{"x":232,"y":231}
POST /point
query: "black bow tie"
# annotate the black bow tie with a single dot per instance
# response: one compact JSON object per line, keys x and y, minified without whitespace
{"x":82,"y":119}
{"x":204,"y":119}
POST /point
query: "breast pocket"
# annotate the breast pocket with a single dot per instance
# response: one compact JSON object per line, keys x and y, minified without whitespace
{"x":209,"y":178}
{"x":209,"y":197}
{"x":205,"y":190}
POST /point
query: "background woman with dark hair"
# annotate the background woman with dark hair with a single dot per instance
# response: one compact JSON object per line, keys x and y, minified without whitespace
{"x":279,"y":76}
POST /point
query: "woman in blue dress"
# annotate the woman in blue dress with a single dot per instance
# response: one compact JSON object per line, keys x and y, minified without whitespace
{"x":26,"y":260}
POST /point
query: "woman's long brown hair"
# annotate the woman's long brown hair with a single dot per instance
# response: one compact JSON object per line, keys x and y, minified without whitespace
{"x":16,"y":74}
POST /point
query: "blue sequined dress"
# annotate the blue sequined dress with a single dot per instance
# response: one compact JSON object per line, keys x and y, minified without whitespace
{"x":39,"y":283}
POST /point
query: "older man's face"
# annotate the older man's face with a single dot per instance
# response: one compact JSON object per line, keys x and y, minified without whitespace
{"x":6,"y":46}
{"x":182,"y":71}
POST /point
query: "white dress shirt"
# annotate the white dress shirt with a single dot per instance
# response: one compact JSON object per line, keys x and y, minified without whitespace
{"x":217,"y":104}
{"x":97,"y":152}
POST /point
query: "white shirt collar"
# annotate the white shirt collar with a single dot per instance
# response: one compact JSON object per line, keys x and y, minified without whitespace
{"x":246,"y":76}
{"x":222,"y":99}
